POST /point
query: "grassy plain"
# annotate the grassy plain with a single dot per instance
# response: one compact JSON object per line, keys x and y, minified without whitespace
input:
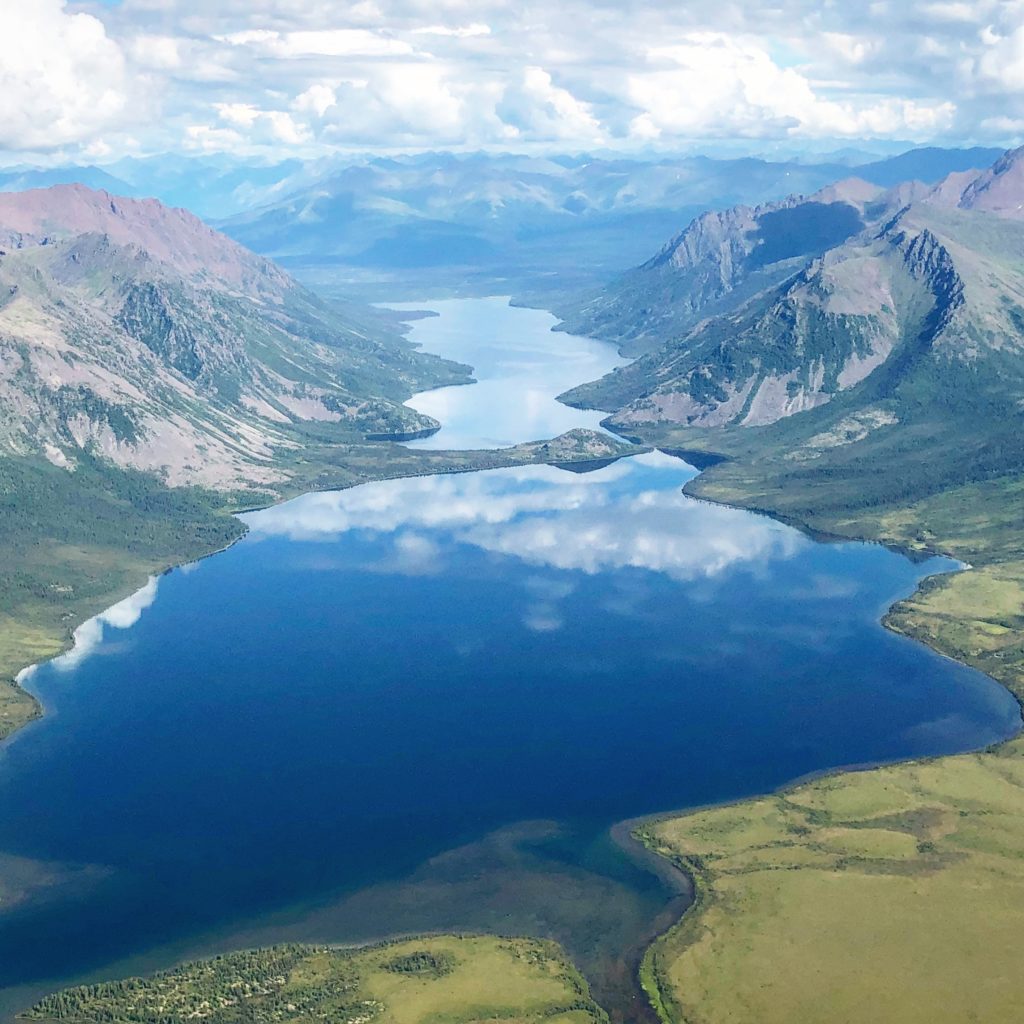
{"x":888,"y":895}
{"x":430,"y":980}
{"x":895,"y":894}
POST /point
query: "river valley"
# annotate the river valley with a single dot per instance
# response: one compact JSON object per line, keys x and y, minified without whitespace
{"x":422,"y":704}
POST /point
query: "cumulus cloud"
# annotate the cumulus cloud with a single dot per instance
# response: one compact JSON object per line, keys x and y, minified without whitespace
{"x":457,"y":31}
{"x":408,"y":104}
{"x":538,"y":109}
{"x":709,"y":84}
{"x":275,"y":125}
{"x":62,"y":78}
{"x":1000,"y":66}
{"x":408,"y":74}
{"x":339,"y":42}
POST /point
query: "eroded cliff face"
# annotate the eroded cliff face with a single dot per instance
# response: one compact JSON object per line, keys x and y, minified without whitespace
{"x":720,"y":259}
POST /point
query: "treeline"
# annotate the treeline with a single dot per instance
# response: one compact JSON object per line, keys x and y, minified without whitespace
{"x":422,"y":961}
{"x":248,"y":987}
{"x":97,"y":506}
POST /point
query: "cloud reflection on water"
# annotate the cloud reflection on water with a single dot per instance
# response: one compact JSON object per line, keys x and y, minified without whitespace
{"x":628,"y":515}
{"x":88,"y":637}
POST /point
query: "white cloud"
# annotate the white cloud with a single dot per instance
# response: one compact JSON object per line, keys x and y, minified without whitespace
{"x":405,"y":103}
{"x":964,"y":12}
{"x":408,"y":74}
{"x":1001,"y":64}
{"x":540,"y":110}
{"x":455,"y":31}
{"x":205,"y":138}
{"x":1000,"y":125}
{"x":318,"y":99}
{"x":156,"y":52}
{"x":341,"y":42}
{"x":255,"y":125}
{"x":710,"y":84}
{"x":852,"y":49}
{"x":62,"y":79}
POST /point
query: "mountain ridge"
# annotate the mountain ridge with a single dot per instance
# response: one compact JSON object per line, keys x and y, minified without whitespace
{"x":171,"y":235}
{"x":934,"y":275}
{"x":139,"y":331}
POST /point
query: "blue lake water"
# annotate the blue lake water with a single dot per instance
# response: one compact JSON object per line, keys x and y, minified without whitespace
{"x":422,"y":703}
{"x":520,"y":367}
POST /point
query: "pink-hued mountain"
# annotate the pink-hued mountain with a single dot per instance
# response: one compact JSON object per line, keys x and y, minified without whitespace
{"x":167,"y":234}
{"x":1000,"y":189}
{"x":136,"y":332}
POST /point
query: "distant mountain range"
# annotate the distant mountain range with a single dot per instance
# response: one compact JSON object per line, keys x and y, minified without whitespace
{"x":439,"y":222}
{"x":210,"y":187}
{"x":526,"y":221}
{"x":857,"y":323}
{"x":134,"y":331}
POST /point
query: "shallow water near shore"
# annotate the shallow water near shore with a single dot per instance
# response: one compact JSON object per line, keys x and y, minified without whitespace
{"x":421,"y":704}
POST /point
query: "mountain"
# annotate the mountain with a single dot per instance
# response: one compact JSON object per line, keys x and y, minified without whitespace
{"x":215,"y":186}
{"x":928,"y":164}
{"x":477,"y":221}
{"x":135,"y":331}
{"x":999,"y":190}
{"x":439,"y":223}
{"x":22,"y":179}
{"x":720,"y":258}
{"x":723,"y":257}
{"x":907,"y":335}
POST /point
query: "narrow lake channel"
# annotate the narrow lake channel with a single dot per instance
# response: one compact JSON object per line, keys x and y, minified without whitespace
{"x":422,"y":704}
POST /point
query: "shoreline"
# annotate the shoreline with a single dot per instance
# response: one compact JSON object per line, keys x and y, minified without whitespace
{"x":690,"y":867}
{"x":14,"y":682}
{"x":681,"y":878}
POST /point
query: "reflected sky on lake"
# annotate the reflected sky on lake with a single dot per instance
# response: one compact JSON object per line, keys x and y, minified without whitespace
{"x":92,"y":633}
{"x":375,"y":676}
{"x":630,"y":514}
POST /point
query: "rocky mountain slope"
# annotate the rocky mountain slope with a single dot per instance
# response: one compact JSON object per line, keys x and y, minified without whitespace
{"x":916,"y":317}
{"x":720,"y":258}
{"x":134,"y":331}
{"x":470,"y":222}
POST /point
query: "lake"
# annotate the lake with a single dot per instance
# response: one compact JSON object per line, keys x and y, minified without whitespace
{"x":520,"y":367}
{"x":422,"y":703}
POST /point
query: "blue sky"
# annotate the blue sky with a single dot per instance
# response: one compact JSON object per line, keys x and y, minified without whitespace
{"x":101,"y":78}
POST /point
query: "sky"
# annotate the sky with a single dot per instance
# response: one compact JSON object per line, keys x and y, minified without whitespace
{"x":100,"y":79}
